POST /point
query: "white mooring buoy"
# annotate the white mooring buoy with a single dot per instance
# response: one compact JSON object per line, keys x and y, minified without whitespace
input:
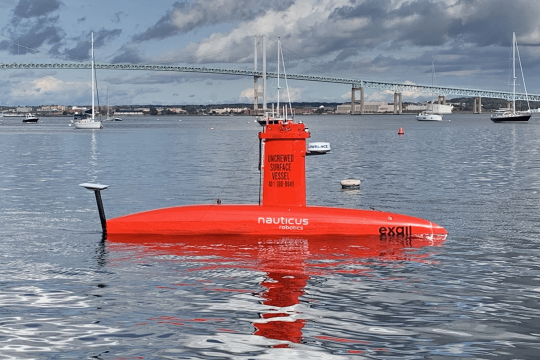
{"x":350,"y":184}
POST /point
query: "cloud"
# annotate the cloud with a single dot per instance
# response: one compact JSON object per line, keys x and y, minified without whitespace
{"x":128,"y":54}
{"x":36,"y":8}
{"x":31,"y":26}
{"x":103,"y":36}
{"x":49,"y":87}
{"x":82,"y":48}
{"x":31,"y":35}
{"x":31,"y":74}
{"x":118,"y":16}
{"x":148,"y":78}
{"x":187,"y":16}
{"x":373,"y":39}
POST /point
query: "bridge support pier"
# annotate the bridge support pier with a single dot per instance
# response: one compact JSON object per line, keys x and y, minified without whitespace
{"x":353,"y":99}
{"x":398,"y":104}
{"x":255,"y":93}
{"x":477,"y":106}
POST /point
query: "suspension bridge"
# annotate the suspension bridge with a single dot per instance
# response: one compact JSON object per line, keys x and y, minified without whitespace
{"x":357,"y":84}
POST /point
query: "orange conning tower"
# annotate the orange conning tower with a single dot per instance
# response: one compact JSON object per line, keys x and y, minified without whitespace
{"x":283,"y":164}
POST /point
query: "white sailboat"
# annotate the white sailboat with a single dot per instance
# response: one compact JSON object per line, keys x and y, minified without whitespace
{"x":511,"y":115}
{"x":429,"y":115}
{"x":89,"y":122}
{"x":275,"y":117}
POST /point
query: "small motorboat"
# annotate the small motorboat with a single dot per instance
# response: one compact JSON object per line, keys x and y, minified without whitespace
{"x":29,"y":118}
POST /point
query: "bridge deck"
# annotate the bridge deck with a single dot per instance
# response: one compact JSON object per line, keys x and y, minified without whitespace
{"x":379,"y":85}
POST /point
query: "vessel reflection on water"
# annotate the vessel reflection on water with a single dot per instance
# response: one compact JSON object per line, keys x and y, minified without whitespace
{"x":287,"y":262}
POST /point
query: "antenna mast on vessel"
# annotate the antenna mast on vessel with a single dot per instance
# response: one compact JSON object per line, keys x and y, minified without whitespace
{"x":264,"y":71}
{"x":514,"y":71}
{"x":278,"y":52}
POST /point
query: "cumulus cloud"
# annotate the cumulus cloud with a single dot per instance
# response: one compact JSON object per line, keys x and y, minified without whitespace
{"x":186,"y":16}
{"x":375,"y":39}
{"x":49,"y":87}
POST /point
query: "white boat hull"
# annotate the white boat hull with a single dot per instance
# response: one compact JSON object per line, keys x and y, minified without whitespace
{"x":431,"y":117}
{"x":87,"y":124}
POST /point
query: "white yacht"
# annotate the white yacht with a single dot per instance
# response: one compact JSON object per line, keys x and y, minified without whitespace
{"x":88,"y":121}
{"x":428,"y":116}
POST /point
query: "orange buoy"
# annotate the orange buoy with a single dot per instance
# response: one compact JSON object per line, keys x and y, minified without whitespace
{"x":401,"y":132}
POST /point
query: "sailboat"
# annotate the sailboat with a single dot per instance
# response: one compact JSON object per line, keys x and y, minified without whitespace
{"x":429,"y":115}
{"x":275,"y":117}
{"x":511,"y":115}
{"x":89,"y":121}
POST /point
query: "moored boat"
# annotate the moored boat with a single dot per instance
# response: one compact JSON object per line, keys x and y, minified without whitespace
{"x":428,"y":116}
{"x":29,"y":118}
{"x":507,"y":115}
{"x":511,"y":115}
{"x":88,"y":121}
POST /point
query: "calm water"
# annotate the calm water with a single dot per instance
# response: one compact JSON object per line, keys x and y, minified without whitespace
{"x":65,"y":294}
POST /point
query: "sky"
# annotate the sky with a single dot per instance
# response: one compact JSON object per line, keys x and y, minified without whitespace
{"x":468,"y":42}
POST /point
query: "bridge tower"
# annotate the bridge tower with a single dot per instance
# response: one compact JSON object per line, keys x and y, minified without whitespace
{"x":256,"y":92}
{"x":353,"y":99}
{"x":441,"y":100}
{"x":477,"y":105}
{"x":398,"y":103}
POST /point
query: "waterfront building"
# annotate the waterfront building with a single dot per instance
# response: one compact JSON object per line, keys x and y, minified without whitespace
{"x":370,"y":107}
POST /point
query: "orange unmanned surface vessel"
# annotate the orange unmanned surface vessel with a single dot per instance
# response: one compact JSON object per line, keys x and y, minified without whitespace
{"x":283,"y":210}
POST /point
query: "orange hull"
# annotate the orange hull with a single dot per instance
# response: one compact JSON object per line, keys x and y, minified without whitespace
{"x":271,"y":220}
{"x":283,"y":211}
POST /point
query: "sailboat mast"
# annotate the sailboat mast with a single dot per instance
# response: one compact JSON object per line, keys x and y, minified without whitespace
{"x":108,"y":100}
{"x":93,"y":83}
{"x":514,"y":71}
{"x":278,"y":50}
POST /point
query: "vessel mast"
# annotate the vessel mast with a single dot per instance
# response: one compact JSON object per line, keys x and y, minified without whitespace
{"x":514,"y":71}
{"x":278,"y":51}
{"x":93,"y":83}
